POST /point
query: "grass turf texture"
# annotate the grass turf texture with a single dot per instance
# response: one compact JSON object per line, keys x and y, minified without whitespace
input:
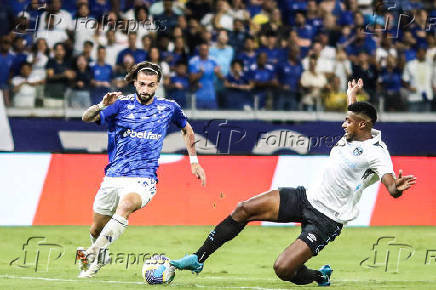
{"x":244,"y":263}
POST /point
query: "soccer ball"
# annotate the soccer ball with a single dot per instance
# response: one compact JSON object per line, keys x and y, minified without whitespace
{"x":157,"y":270}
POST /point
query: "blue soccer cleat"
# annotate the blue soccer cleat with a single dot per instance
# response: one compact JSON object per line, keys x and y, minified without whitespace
{"x":326,"y":272}
{"x":188,"y":262}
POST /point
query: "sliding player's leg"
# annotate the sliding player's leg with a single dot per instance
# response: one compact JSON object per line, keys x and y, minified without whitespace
{"x":289,"y":266}
{"x":263,"y":207}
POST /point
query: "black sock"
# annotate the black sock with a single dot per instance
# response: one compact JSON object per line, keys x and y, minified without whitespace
{"x":305,"y":276}
{"x":223,"y":232}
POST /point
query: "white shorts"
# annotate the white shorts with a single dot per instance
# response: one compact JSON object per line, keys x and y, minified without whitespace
{"x":112,"y":189}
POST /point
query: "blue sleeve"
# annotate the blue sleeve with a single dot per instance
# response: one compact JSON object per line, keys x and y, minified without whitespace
{"x":120,"y":57}
{"x":193,"y":67}
{"x":179,"y":118}
{"x":108,"y":114}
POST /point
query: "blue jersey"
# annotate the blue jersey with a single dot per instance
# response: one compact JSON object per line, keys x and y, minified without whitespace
{"x":136,"y":133}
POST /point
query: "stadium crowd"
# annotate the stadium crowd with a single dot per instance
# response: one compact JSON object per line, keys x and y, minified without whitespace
{"x":234,"y":54}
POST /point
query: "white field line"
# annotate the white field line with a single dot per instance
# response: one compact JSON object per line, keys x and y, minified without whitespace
{"x":210,"y":278}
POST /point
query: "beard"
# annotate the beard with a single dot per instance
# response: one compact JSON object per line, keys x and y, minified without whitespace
{"x":144,"y":98}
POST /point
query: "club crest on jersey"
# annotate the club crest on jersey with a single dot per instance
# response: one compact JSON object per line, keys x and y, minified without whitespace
{"x":160,"y":108}
{"x":131,"y":106}
{"x":357,"y":151}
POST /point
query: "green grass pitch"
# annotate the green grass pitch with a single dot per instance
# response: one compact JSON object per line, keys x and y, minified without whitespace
{"x":407,"y":260}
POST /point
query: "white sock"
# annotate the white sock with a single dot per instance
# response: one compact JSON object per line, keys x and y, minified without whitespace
{"x":110,"y":233}
{"x":92,"y":239}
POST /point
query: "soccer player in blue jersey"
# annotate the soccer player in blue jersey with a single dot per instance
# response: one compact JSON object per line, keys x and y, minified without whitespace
{"x":137,"y":125}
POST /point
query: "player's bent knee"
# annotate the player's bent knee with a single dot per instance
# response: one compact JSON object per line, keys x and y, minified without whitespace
{"x":126,"y":207}
{"x":283,"y":271}
{"x":241,"y":212}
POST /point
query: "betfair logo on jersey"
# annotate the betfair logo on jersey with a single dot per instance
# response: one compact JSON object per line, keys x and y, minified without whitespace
{"x":141,"y":135}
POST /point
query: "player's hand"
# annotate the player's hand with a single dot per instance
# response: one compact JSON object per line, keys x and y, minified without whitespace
{"x":354,"y":87}
{"x":198,"y":171}
{"x":404,"y":182}
{"x":110,"y":98}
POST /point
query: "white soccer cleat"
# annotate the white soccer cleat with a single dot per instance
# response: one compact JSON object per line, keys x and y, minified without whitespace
{"x":92,"y":271}
{"x":95,"y":266}
{"x":83,"y":259}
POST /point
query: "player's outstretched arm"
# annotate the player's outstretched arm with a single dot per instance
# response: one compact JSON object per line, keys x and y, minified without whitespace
{"x":189,"y":138}
{"x":396,"y":186}
{"x":353,"y":89}
{"x":92,"y":114}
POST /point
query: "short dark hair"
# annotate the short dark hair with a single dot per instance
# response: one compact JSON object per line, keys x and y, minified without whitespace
{"x":146,"y":67}
{"x":364,"y":108}
{"x":240,"y":62}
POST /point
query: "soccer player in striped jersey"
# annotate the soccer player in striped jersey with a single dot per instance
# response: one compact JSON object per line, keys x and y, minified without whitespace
{"x":358,"y":160}
{"x":137,"y":125}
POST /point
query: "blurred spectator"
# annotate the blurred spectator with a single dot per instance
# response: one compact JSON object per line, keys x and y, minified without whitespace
{"x":389,"y":81}
{"x":101,"y":76}
{"x":39,"y":59}
{"x":83,"y":28}
{"x":48,"y":30}
{"x":146,"y":43}
{"x":178,"y":84}
{"x":238,"y":11}
{"x":23,"y":29}
{"x":312,"y":82}
{"x":144,"y":23}
{"x":289,"y":75}
{"x":248,"y":55}
{"x":222,"y":52}
{"x":87,"y":51}
{"x":20,"y":55}
{"x":165,"y":68}
{"x":179,"y":52}
{"x":80,"y":94}
{"x":274,"y":54}
{"x":385,"y":50}
{"x":138,"y":53}
{"x":6,"y":62}
{"x":55,"y":19}
{"x":313,"y":13}
{"x":419,"y":81}
{"x":100,"y":7}
{"x":363,"y":42}
{"x":342,"y":69}
{"x":238,"y":36}
{"x":196,"y":9}
{"x":325,"y":56}
{"x":119,"y":82}
{"x":7,"y":19}
{"x":223,"y":18}
{"x":202,"y":70}
{"x":368,"y":72}
{"x":24,"y":87}
{"x":263,"y":76}
{"x":219,"y":19}
{"x":112,"y":48}
{"x":59,"y":73}
{"x":193,"y":35}
{"x":238,"y":86}
{"x":167,"y":18}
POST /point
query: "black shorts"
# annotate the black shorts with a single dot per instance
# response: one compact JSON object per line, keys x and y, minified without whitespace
{"x":317,"y":230}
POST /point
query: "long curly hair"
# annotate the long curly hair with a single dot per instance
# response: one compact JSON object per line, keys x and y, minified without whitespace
{"x":146,"y":67}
